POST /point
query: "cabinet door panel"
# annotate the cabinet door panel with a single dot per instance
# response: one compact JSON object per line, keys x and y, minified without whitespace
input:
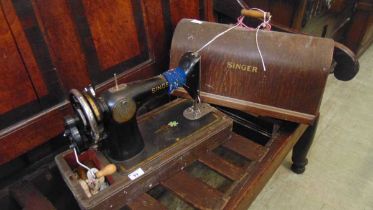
{"x":30,"y":82}
{"x":178,"y":11}
{"x":113,"y":35}
{"x":16,"y":88}
{"x":62,"y":40}
{"x":33,"y":35}
{"x":24,"y":48}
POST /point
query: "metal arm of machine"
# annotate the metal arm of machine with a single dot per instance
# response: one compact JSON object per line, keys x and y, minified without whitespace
{"x":109,"y":120}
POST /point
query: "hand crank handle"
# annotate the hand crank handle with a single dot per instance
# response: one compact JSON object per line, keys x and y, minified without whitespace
{"x":106,"y":171}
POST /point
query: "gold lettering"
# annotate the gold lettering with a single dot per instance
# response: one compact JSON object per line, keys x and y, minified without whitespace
{"x":159,"y":87}
{"x":255,"y":69}
{"x":242,"y":67}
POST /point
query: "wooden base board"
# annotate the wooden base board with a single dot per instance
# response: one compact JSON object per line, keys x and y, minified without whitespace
{"x":211,"y":131}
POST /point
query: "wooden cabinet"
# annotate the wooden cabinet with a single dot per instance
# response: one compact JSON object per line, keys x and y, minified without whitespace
{"x":29,"y":81}
{"x":50,"y":46}
{"x":360,"y":32}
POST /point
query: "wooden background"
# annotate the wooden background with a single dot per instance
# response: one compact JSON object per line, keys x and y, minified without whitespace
{"x":48,"y":47}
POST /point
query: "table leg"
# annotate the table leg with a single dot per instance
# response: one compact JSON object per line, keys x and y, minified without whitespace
{"x":301,"y":148}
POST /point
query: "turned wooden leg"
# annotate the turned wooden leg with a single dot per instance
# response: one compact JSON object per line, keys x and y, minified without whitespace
{"x":302,"y":147}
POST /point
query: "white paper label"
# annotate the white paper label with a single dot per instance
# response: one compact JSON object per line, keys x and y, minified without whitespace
{"x":196,"y":21}
{"x":136,"y":174}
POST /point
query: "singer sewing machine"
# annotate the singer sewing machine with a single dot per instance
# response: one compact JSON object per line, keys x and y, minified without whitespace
{"x":121,"y":156}
{"x":117,"y":158}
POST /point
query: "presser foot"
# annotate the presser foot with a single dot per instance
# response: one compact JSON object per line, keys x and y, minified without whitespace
{"x":197,"y":111}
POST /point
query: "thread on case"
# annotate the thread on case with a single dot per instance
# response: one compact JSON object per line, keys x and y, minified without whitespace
{"x":264,"y":25}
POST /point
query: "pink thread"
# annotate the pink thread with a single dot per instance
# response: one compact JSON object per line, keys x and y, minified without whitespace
{"x":241,"y":24}
{"x":265,"y":25}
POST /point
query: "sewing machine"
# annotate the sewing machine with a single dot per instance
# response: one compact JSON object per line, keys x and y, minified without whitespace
{"x":112,"y":150}
{"x":111,"y":117}
{"x":116,"y":157}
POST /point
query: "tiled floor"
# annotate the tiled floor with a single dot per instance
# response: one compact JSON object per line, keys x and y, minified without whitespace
{"x":340,"y":170}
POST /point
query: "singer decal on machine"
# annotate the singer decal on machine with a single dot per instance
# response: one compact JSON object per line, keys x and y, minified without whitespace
{"x":242,"y":67}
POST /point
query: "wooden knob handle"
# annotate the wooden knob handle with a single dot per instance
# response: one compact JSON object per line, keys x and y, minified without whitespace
{"x":106,"y":171}
{"x":253,"y":13}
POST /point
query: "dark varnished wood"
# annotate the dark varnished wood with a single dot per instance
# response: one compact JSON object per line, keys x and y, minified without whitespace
{"x":15,"y":80}
{"x":164,"y":163}
{"x":221,"y":165}
{"x":146,"y":202}
{"x":347,"y":64}
{"x":33,"y":31}
{"x":178,"y":11}
{"x":291,"y":87}
{"x":245,"y":147}
{"x":236,"y":195}
{"x":108,"y":36}
{"x":35,"y":58}
{"x":122,"y":42}
{"x":24,"y":48}
{"x":63,"y":42}
{"x":261,"y":172}
{"x":194,"y":191}
{"x":250,"y":107}
{"x":208,"y":10}
{"x":159,"y":28}
{"x":302,"y":147}
{"x":242,"y":191}
{"x":297,"y":19}
{"x":280,"y":10}
{"x":31,"y":133}
{"x":359,"y":35}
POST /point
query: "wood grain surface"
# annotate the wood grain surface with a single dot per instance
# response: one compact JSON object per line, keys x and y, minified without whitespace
{"x":113,"y":30}
{"x":297,"y":67}
{"x":15,"y":79}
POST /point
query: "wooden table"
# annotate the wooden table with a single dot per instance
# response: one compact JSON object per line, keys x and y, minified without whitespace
{"x":241,"y":168}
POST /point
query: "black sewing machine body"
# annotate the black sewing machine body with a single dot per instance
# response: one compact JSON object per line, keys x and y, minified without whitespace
{"x":108,"y":121}
{"x":105,"y":130}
